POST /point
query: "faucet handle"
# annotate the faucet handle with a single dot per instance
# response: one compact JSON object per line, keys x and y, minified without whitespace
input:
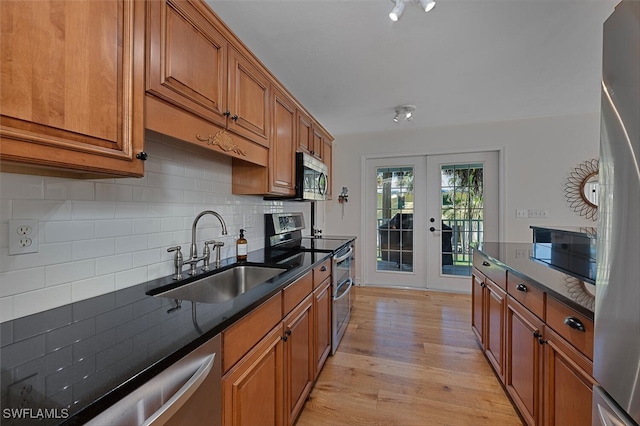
{"x":177,"y":262}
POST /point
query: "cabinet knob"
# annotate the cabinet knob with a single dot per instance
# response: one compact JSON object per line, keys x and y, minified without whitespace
{"x":288,"y":332}
{"x":234,"y":117}
{"x":142,"y":156}
{"x":522,"y":287}
{"x":485,"y":263}
{"x":226,"y":113}
{"x":483,"y":285}
{"x":536,"y":334}
{"x":284,"y":338}
{"x":323,"y":268}
{"x":574,"y":323}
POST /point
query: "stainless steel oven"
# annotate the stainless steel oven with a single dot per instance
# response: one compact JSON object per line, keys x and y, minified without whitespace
{"x":341,"y":292}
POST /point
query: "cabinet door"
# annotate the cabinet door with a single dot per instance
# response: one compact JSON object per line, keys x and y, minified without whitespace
{"x":317,"y":142}
{"x":282,"y":151}
{"x":477,"y":305}
{"x":322,"y":320}
{"x":524,"y":361}
{"x":248,"y":99}
{"x":72,"y":78}
{"x":568,"y":383}
{"x":304,"y":132}
{"x":298,"y":358}
{"x":187,"y":59}
{"x":253,"y":389}
{"x":495,"y":308}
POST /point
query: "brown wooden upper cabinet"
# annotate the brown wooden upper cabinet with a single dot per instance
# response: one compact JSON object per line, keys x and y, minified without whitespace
{"x":192,"y":65}
{"x":72,"y":87}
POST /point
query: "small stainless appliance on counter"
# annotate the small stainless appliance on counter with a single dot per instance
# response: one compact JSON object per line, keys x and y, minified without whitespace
{"x":616,"y":361}
{"x":283,"y":239}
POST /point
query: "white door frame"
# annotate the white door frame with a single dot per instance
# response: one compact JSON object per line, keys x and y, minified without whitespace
{"x":370,"y":240}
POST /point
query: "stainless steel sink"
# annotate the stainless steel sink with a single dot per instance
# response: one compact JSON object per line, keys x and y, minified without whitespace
{"x":224,"y":285}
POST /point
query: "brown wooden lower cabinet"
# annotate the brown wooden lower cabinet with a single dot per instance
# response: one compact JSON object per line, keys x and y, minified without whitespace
{"x":253,"y":390}
{"x":523,"y":377}
{"x":495,"y":308}
{"x":568,"y":383}
{"x":322,"y":318}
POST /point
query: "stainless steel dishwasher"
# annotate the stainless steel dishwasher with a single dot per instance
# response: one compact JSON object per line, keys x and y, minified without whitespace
{"x":187,"y":393}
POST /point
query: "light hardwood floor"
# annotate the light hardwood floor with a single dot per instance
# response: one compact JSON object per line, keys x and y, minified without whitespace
{"x":408,"y":357}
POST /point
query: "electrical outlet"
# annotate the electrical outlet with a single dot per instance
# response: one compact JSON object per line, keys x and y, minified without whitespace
{"x":522,"y":213}
{"x":22,"y":392}
{"x":247,"y":221}
{"x":538,"y":213}
{"x":521,"y":253}
{"x":23,"y":236}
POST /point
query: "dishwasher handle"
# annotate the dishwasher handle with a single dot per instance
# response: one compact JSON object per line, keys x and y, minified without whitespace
{"x":169,"y":408}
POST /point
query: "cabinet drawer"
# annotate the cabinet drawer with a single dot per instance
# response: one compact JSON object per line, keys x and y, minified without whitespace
{"x":526,"y":293}
{"x":490,"y":269}
{"x":321,"y":272}
{"x":572,"y":326}
{"x":295,"y":292}
{"x":243,"y":335}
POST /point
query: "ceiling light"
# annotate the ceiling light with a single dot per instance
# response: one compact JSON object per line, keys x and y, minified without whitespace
{"x":404,"y":112}
{"x":427,"y":5}
{"x":399,"y":6}
{"x":397,"y":10}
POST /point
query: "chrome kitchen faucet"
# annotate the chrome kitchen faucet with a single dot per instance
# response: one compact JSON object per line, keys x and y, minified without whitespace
{"x":193,"y":253}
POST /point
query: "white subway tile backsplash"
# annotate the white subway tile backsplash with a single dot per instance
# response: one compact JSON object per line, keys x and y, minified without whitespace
{"x":97,"y":235}
{"x":131,"y":243}
{"x":113,"y":192}
{"x":67,"y":272}
{"x":113,"y":228}
{"x":6,"y":309}
{"x":41,"y":210}
{"x":111,"y":264}
{"x":146,"y":257}
{"x":96,"y":286}
{"x":146,"y":226}
{"x":82,"y":210}
{"x":131,"y":210}
{"x":40,"y":300}
{"x":93,"y":248}
{"x":57,"y":232}
{"x":14,"y":186}
{"x":65,"y":189}
{"x":20,"y":281}
{"x":131,"y":277}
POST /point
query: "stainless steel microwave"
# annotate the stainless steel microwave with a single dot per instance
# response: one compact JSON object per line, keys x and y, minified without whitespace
{"x":311,"y":178}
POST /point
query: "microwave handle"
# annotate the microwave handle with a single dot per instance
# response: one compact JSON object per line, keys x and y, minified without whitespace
{"x":343,"y":257}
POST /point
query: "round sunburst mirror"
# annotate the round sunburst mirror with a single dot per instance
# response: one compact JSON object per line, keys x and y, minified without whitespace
{"x":581,"y":189}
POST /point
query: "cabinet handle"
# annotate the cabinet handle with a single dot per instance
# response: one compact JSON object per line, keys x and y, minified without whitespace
{"x":522,"y":287}
{"x":234,"y":117}
{"x":226,"y":113}
{"x":485,"y":263}
{"x":323,"y":269}
{"x":142,"y":156}
{"x":574,"y":323}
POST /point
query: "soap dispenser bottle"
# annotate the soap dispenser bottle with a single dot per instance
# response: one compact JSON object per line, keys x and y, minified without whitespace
{"x":241,"y":247}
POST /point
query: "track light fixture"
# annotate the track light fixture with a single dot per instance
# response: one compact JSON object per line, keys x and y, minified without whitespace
{"x":404,"y":112}
{"x":399,"y":6}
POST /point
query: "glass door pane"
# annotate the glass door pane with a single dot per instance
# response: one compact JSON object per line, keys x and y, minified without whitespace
{"x":394,"y":213}
{"x":461,"y":215}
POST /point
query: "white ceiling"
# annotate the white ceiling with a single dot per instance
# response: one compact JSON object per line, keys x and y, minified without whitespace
{"x":466,"y":61}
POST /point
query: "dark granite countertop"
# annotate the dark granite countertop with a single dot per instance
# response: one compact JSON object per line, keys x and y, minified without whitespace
{"x":81,"y":358}
{"x":518,"y":257}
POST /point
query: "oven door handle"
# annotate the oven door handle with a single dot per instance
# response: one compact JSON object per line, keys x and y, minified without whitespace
{"x":344,"y":256}
{"x":346,"y":292}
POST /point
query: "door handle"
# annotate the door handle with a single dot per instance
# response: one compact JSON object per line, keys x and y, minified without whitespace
{"x":432,"y":229}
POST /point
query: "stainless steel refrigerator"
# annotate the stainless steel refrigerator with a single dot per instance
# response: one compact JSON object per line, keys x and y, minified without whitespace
{"x":616,"y":362}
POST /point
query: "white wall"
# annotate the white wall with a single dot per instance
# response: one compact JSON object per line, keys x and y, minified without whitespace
{"x":539,"y":154}
{"x":97,"y":236}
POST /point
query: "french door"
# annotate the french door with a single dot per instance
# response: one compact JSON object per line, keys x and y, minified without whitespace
{"x":423,"y":215}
